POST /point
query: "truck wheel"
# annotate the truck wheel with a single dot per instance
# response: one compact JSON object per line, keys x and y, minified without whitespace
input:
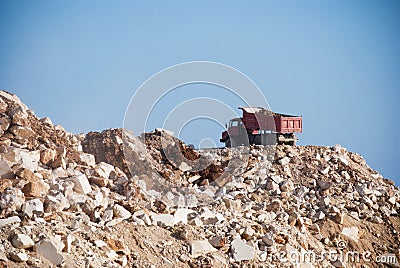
{"x":228,"y":143}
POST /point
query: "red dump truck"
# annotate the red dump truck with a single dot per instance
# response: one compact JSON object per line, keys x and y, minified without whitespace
{"x":260,"y":126}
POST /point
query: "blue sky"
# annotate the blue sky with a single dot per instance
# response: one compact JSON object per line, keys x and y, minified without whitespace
{"x":336,"y":63}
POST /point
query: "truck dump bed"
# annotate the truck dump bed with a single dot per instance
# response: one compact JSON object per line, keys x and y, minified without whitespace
{"x":259,"y":118}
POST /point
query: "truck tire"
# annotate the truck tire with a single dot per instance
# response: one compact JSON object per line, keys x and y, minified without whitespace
{"x":228,"y":143}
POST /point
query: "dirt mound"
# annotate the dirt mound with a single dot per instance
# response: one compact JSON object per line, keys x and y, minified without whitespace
{"x":107,"y":147}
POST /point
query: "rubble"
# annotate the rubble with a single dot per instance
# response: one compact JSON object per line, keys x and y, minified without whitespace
{"x":76,"y":201}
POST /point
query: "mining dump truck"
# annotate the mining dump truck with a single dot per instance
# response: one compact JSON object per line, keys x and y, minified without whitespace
{"x":261,"y":127}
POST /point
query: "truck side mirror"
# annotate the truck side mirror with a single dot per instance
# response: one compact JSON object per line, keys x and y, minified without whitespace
{"x":226,"y":125}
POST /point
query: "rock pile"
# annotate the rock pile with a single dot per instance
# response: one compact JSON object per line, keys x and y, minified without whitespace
{"x":71,"y":200}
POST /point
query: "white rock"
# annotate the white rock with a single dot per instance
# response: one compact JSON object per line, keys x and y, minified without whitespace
{"x":121,"y":212}
{"x":81,"y":184}
{"x":343,"y":160}
{"x":28,"y":160}
{"x":167,"y":263}
{"x":392,"y":200}
{"x":112,"y":255}
{"x":210,"y":217}
{"x":266,"y":217}
{"x":325,"y":201}
{"x":56,"y":203}
{"x":67,"y":240}
{"x":319,"y":215}
{"x":22,"y":241}
{"x":277,"y":179}
{"x":325,"y":171}
{"x":32,"y":206}
{"x":241,"y":251}
{"x":345,"y":174}
{"x":19,"y":257}
{"x":286,"y":186}
{"x":184,"y":167}
{"x":181,"y":215}
{"x":49,"y":250}
{"x":103,"y":169}
{"x":194,"y":178}
{"x":117,"y":139}
{"x":114,"y":222}
{"x":201,"y":247}
{"x":169,"y":132}
{"x":88,"y":159}
{"x":100,"y":243}
{"x":12,"y":199}
{"x":351,"y":232}
{"x":10,"y":220}
{"x":46,"y":120}
{"x":165,"y":219}
{"x":284,"y":161}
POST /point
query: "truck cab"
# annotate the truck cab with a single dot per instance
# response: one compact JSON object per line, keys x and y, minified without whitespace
{"x":234,"y":128}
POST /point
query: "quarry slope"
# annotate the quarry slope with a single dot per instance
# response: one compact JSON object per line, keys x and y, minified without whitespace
{"x":72,"y":200}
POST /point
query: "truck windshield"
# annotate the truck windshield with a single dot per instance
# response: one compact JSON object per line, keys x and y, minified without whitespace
{"x":234,"y":123}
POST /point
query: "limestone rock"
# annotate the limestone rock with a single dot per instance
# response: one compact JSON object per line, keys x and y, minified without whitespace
{"x":201,"y":247}
{"x":22,"y":241}
{"x":10,"y":220}
{"x":81,"y":184}
{"x":121,"y":212}
{"x":49,"y":250}
{"x":19,"y":257}
{"x":284,"y":161}
{"x":351,"y":232}
{"x":241,"y":250}
{"x":47,"y":156}
{"x":32,"y":206}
